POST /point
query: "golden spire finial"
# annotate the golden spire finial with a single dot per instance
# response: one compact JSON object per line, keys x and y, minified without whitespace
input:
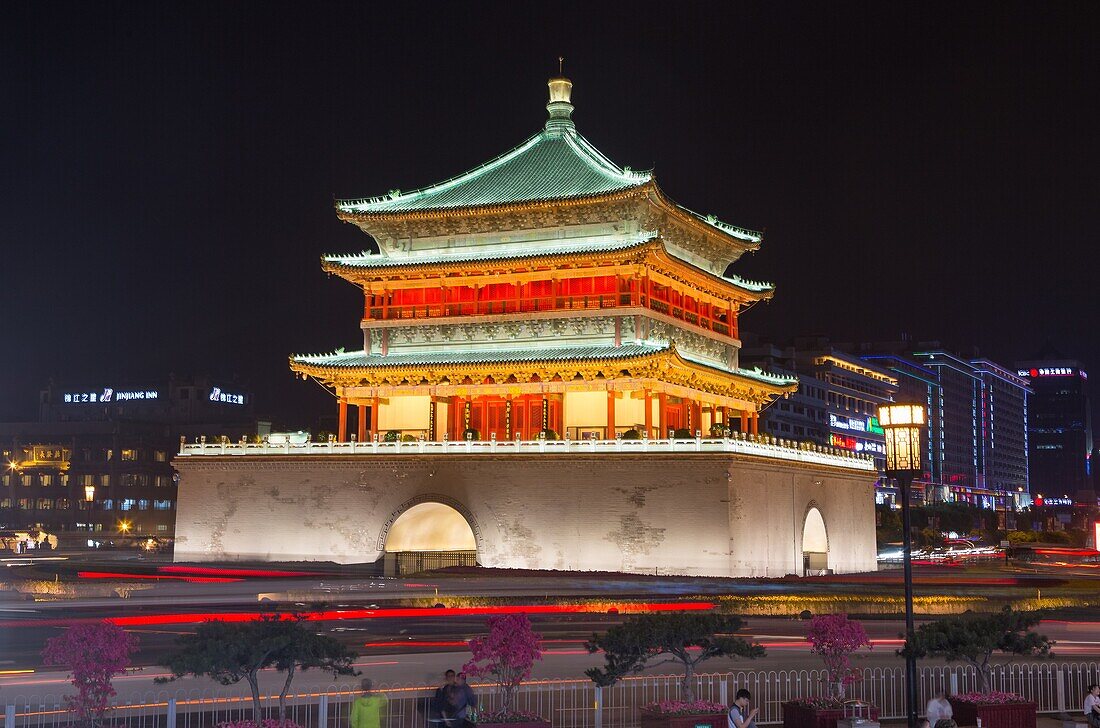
{"x":561,"y":88}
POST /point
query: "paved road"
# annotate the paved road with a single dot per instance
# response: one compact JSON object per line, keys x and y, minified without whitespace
{"x":423,"y":657}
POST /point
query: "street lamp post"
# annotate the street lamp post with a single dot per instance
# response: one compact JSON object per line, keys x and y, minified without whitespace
{"x":901,"y":424}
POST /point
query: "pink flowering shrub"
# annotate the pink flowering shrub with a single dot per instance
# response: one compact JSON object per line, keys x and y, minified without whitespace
{"x":507,"y":653}
{"x":834,"y":637}
{"x":680,"y":707}
{"x":991,"y":698}
{"x":94,"y":654}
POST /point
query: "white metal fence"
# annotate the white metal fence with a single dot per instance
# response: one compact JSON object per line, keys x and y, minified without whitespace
{"x":1055,"y":686}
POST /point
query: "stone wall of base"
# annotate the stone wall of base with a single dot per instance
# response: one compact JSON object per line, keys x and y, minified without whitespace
{"x":694,"y":514}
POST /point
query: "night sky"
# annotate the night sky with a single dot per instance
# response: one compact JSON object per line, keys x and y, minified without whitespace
{"x":167,"y":173}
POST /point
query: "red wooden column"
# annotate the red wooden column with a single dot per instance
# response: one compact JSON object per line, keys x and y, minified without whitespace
{"x":648,"y":413}
{"x":342,"y":421}
{"x":756,"y":423}
{"x":744,"y":422}
{"x":610,"y":415}
{"x":662,"y":415}
{"x":697,"y":414}
{"x":374,"y":416}
{"x":362,"y":434}
{"x":720,"y":416}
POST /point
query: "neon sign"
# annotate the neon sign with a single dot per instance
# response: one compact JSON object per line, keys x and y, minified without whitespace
{"x":851,"y":443}
{"x":217,"y":395}
{"x":847,"y":423}
{"x":1048,"y":372}
{"x":109,"y":395}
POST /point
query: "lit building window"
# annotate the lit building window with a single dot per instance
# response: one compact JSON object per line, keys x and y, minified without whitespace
{"x":129,"y":454}
{"x":126,"y":504}
{"x":162,"y":505}
{"x":143,"y":504}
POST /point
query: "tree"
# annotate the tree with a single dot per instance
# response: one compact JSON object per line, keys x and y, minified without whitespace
{"x":973,"y":639}
{"x":231,"y":652}
{"x":94,"y":654}
{"x":227,"y":652}
{"x":508,"y":653}
{"x":834,"y":637}
{"x":633,"y":645}
{"x":304,"y":650}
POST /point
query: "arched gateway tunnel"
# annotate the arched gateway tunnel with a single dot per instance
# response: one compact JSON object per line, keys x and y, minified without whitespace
{"x":721,"y":508}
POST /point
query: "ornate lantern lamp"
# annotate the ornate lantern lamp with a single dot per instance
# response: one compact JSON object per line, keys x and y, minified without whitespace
{"x":902,"y":425}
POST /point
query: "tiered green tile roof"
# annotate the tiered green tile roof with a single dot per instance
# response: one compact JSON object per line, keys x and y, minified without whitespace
{"x":553,"y":164}
{"x":629,"y":350}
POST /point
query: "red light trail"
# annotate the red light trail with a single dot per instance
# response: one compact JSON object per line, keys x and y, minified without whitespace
{"x":407,"y":613}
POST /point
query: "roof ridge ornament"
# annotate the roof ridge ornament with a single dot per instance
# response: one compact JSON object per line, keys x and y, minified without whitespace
{"x":560,"y":108}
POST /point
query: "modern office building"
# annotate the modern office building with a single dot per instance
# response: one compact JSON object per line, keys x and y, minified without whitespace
{"x":976,"y":441}
{"x":837,"y":399}
{"x":1060,"y":440}
{"x":98,"y":460}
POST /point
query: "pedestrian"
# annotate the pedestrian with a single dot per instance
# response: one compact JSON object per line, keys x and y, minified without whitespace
{"x":1092,"y":706}
{"x":367,"y":709}
{"x":740,"y":716}
{"x":938,"y":708}
{"x":441,"y":699}
{"x":923,"y":723}
{"x":461,"y":699}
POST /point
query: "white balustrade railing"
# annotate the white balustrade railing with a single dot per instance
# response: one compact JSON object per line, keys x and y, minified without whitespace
{"x":1054,"y":687}
{"x":760,"y":446}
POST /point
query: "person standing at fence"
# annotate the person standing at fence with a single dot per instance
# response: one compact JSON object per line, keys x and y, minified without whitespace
{"x":439,"y":714}
{"x":1092,"y":706}
{"x":462,"y":699}
{"x":740,"y":716}
{"x":367,"y":710}
{"x":938,"y":708}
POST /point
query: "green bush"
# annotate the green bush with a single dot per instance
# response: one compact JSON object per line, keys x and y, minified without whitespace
{"x":392,"y":436}
{"x":717,"y":430}
{"x":408,"y":438}
{"x":471,"y":434}
{"x":682,"y":434}
{"x":548,"y":435}
{"x":632,"y":434}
